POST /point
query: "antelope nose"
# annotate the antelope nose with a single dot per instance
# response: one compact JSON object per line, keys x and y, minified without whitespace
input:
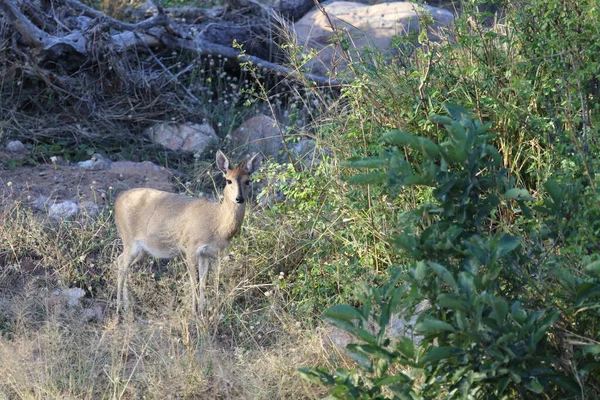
{"x":239,"y":199}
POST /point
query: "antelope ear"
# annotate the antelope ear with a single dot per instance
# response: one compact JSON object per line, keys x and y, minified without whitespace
{"x":222,"y":162}
{"x":253,"y":163}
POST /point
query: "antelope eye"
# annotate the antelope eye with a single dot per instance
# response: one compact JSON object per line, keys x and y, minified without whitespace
{"x":229,"y":181}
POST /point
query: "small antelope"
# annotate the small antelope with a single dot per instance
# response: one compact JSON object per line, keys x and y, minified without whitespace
{"x":165,"y":225}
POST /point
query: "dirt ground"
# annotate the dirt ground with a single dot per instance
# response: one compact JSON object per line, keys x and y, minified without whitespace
{"x":57,"y":183}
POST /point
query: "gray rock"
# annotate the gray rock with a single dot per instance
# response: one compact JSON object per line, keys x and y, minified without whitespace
{"x":398,"y":328}
{"x":134,"y":168}
{"x":16,"y":146}
{"x":97,"y":162}
{"x":63,"y":210}
{"x":72,"y":295}
{"x":89,"y":208}
{"x":95,"y":313}
{"x":41,"y":203}
{"x":369,"y":26}
{"x":259,"y":134}
{"x":183,"y":137}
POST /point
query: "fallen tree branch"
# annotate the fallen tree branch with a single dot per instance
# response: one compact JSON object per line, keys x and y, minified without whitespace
{"x":36,"y":37}
{"x":160,"y":19}
{"x":207,"y":48}
{"x":159,"y":30}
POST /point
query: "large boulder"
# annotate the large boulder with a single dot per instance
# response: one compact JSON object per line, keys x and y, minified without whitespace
{"x":259,"y":134}
{"x":183,"y":137}
{"x":369,"y":26}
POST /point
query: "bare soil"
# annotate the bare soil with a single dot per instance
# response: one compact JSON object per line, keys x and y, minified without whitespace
{"x":70,"y":182}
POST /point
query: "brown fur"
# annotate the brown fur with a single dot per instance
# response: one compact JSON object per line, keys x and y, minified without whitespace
{"x":165,"y":225}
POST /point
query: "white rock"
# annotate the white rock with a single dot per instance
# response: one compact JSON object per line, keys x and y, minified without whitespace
{"x":72,"y":295}
{"x":63,"y":210}
{"x":183,"y":137}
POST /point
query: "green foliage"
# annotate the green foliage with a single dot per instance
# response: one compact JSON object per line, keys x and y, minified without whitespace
{"x":486,"y":328}
{"x":316,"y":243}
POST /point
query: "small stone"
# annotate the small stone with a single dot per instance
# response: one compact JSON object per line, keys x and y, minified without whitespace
{"x":41,"y":203}
{"x":63,"y":210}
{"x":16,"y":146}
{"x":97,"y":162}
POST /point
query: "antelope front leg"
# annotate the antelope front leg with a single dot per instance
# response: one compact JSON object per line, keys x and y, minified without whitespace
{"x":192,"y":261}
{"x":129,"y":257}
{"x":203,"y":267}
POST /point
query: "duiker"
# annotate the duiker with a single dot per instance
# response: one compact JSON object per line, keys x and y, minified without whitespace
{"x":165,"y":225}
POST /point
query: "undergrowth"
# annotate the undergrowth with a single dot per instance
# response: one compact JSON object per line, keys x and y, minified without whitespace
{"x":520,"y":260}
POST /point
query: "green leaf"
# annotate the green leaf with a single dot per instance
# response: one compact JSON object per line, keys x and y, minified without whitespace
{"x":517,"y":312}
{"x":500,"y":307}
{"x":545,"y":324}
{"x":440,"y":119}
{"x":452,"y":302}
{"x":433,"y":326}
{"x":428,"y":148}
{"x":501,"y":385}
{"x":365,"y":335}
{"x":389,"y":380}
{"x":436,"y":354}
{"x":359,"y":358}
{"x":535,"y":386}
{"x":456,"y":112}
{"x":367,"y":162}
{"x":343,"y":312}
{"x":555,"y":191}
{"x":507,"y":244}
{"x":320,"y":376}
{"x":444,"y":274}
{"x":399,"y":138}
{"x":372,"y":350}
{"x":406,"y":347}
{"x":593,"y":267}
{"x":593,"y":349}
{"x":374,"y":178}
{"x":420,"y":270}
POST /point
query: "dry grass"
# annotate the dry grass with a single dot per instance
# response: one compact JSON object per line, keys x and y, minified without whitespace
{"x":247,"y":347}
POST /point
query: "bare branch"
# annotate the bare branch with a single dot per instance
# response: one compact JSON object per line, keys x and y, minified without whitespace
{"x":31,"y":33}
{"x":207,"y":48}
{"x":160,"y":19}
{"x":37,"y":38}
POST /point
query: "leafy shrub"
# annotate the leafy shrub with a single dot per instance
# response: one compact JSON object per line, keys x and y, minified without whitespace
{"x":493,"y":326}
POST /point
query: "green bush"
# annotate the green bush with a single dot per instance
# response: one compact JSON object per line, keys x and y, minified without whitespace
{"x":495,"y":326}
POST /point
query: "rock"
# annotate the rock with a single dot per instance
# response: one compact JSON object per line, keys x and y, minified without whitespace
{"x":72,"y":295}
{"x":397,"y":328}
{"x":58,"y":161}
{"x":41,"y":203}
{"x":95,"y":313}
{"x":97,"y":162}
{"x":16,"y":146}
{"x":89,"y":208}
{"x":258,"y":135}
{"x":134,"y":168}
{"x":368,"y":25}
{"x":304,"y":150}
{"x":63,"y":210}
{"x":183,"y":137}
